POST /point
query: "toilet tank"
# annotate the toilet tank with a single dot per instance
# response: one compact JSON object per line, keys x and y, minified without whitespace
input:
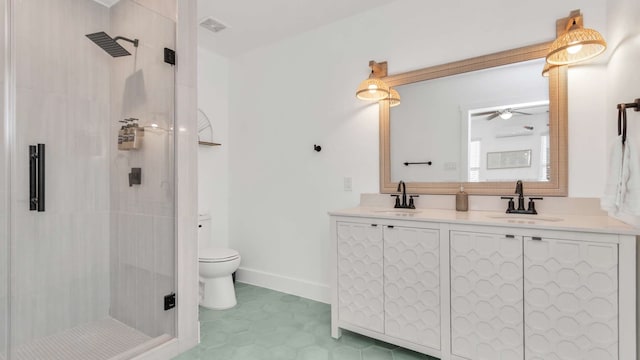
{"x":204,"y":230}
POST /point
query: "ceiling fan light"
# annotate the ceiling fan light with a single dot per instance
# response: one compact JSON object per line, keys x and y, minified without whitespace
{"x":506,"y":115}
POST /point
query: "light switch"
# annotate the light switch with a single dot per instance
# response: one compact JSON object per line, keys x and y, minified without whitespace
{"x":348,"y":183}
{"x":450,"y":165}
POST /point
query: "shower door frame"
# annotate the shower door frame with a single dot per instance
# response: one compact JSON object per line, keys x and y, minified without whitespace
{"x":6,"y":153}
{"x":185,"y":162}
{"x":9,"y":124}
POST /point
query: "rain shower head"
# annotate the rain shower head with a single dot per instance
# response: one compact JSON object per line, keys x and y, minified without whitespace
{"x":110,"y":45}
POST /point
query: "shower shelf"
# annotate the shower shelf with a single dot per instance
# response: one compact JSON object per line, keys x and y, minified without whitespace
{"x":205,"y":130}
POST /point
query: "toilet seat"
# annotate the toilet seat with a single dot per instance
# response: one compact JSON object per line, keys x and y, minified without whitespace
{"x":214,"y":255}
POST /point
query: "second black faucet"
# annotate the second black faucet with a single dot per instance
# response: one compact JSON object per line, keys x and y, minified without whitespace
{"x":403,"y":204}
{"x":531,"y":209}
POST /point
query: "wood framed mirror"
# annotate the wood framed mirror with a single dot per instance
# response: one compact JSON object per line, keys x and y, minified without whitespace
{"x":481,"y":123}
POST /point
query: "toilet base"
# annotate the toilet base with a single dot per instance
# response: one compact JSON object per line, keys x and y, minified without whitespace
{"x":218,"y":294}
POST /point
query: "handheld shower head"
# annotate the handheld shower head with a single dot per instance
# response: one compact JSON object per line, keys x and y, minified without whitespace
{"x":110,"y":45}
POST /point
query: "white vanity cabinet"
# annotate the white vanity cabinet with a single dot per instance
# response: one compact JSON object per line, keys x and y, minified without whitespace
{"x":571,"y":299}
{"x":486,"y":296}
{"x":460,"y":289}
{"x":360,"y":287}
{"x":559,"y":295}
{"x":412,"y":285}
{"x":388,"y":281}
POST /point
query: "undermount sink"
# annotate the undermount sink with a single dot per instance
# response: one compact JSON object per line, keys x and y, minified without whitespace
{"x":398,"y":212}
{"x":526,"y":219}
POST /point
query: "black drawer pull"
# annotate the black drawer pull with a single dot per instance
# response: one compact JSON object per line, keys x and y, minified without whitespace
{"x":390,"y":226}
{"x":510,"y":236}
{"x":374,"y":225}
{"x":536,"y":238}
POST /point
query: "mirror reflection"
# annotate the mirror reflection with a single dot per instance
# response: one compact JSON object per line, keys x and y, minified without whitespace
{"x":490,"y":125}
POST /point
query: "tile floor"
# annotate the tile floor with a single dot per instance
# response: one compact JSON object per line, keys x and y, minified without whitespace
{"x":270,"y":325}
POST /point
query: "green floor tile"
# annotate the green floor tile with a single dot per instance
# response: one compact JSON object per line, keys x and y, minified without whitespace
{"x":346,"y":353}
{"x":281,"y":352}
{"x":356,"y":341}
{"x":406,"y":354}
{"x":270,"y":325}
{"x":301,"y":339}
{"x":376,"y":353}
{"x":313,"y":353}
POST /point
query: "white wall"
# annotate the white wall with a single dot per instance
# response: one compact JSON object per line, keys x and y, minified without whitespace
{"x":287,"y":96}
{"x":213,"y":162}
{"x":623,"y":76}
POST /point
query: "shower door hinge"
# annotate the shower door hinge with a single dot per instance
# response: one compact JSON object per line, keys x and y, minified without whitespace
{"x":169,"y":301}
{"x":169,"y":56}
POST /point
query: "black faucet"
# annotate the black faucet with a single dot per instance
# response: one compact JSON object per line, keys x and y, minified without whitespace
{"x":531,"y":209}
{"x":520,"y":192}
{"x":402,"y":187}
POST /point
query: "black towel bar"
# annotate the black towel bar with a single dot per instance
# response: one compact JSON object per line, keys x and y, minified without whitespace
{"x":635,"y":105}
{"x":418,"y":163}
{"x":622,"y":117}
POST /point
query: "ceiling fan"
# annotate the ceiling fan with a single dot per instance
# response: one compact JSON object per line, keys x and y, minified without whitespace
{"x":505,"y":114}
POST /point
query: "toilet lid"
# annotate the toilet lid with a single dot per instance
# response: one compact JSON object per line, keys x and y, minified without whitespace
{"x":218,"y":254}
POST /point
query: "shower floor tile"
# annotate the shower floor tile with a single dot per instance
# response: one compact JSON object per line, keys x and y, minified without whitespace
{"x":270,"y":325}
{"x":104,"y":339}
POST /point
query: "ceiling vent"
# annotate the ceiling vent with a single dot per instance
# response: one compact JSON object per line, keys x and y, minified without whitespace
{"x":212,"y":24}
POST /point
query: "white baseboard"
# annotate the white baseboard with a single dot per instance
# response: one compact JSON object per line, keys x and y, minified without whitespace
{"x":303,"y":288}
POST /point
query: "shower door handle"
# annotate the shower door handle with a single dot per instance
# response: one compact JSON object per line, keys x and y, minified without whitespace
{"x":41,"y":177}
{"x":33,"y":181}
{"x":36,"y":177}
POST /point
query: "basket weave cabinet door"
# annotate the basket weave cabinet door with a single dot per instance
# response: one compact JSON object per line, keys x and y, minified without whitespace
{"x":571,"y":300}
{"x":360,"y":279}
{"x":486,"y":296}
{"x":412,"y":285}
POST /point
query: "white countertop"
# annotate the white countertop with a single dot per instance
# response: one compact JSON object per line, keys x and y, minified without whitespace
{"x":564,"y":222}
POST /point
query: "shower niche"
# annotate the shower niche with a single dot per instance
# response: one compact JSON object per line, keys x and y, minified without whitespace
{"x":87,"y":278}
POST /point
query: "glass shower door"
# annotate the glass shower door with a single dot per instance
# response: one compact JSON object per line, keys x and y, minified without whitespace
{"x":92,"y":245}
{"x":4,"y":205}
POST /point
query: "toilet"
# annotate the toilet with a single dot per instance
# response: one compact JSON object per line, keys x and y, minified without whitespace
{"x":215,"y":265}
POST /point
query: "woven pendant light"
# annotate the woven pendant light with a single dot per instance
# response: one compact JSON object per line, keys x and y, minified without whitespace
{"x":545,"y":69}
{"x":374,"y":89}
{"x":394,"y":97}
{"x":577,"y":44}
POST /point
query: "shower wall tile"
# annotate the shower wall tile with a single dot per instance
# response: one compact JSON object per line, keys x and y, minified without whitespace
{"x":142,"y":216}
{"x":164,"y":272}
{"x":75,"y":132}
{"x":145,"y":320}
{"x":163,"y":237}
{"x":166,"y":8}
{"x":60,"y":268}
{"x":63,"y":281}
{"x":47,"y":50}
